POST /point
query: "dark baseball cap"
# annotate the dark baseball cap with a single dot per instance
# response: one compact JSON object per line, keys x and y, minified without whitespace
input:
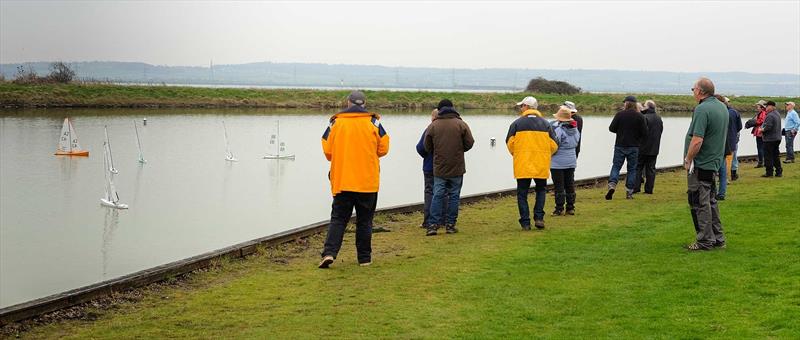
{"x":630,"y":99}
{"x":357,"y":97}
{"x":770,"y":103}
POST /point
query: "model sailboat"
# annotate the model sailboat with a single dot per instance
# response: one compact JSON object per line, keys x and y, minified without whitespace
{"x":278,"y":146}
{"x":110,"y":158}
{"x":228,"y":154}
{"x":139,"y":143}
{"x":68,"y":144}
{"x":111,"y":198}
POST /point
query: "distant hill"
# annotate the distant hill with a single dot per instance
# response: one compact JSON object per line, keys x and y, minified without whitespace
{"x":370,"y":76}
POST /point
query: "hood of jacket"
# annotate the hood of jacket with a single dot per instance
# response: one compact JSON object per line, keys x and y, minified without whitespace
{"x":569,"y":128}
{"x":448,"y":113}
{"x":534,"y":112}
{"x":354,"y":112}
{"x":649,"y":111}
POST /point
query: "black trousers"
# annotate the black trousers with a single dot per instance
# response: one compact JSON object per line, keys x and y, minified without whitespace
{"x":772,"y":158}
{"x":564,"y":184}
{"x":646,"y":173}
{"x":341,"y":210}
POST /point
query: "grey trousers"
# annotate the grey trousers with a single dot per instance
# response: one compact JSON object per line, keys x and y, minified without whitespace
{"x":703,"y":204}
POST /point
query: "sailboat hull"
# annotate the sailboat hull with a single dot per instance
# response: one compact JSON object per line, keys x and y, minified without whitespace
{"x":80,"y":153}
{"x":279,"y":157}
{"x":107,"y":203}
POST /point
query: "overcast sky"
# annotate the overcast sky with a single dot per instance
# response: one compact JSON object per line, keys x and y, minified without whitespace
{"x":750,"y":36}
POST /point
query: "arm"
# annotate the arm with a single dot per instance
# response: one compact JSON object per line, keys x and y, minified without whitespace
{"x":383,"y":141}
{"x":767,"y":125}
{"x":738,"y":121}
{"x":552,"y":140}
{"x":429,"y":139}
{"x":466,"y":138}
{"x":691,"y":153}
{"x":421,"y":145}
{"x":327,"y":141}
{"x":614,"y":124}
{"x":512,"y":131}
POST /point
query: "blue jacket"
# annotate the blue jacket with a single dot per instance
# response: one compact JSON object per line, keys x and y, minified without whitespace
{"x":734,"y":126}
{"x":567,"y":138}
{"x":427,"y":157}
{"x":792,"y":121}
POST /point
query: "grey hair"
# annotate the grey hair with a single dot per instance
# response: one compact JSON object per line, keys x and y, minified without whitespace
{"x":706,"y":86}
{"x":650,"y":104}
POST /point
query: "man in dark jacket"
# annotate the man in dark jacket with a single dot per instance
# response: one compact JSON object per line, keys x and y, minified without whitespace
{"x":771,"y":133}
{"x":427,"y":173}
{"x":631,"y":130}
{"x":734,"y":126}
{"x":448,"y":138}
{"x":648,"y":151}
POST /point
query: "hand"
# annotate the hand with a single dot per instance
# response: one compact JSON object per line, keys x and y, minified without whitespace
{"x":687,"y":164}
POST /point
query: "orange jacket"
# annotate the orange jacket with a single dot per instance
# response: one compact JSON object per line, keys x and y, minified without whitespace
{"x":353,"y":142}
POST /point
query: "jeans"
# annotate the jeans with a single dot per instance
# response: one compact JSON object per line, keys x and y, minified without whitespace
{"x":760,"y":149}
{"x":621,"y":154}
{"x":704,"y":209}
{"x":428,"y":198}
{"x":341,"y":211}
{"x":735,"y":162}
{"x":723,"y":178}
{"x":646,"y":173}
{"x":789,"y":145}
{"x":772,"y":158}
{"x":523,"y":186}
{"x":564,"y":183}
{"x":445,"y":188}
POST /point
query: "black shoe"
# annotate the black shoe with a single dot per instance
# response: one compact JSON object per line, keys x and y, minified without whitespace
{"x":766,"y":175}
{"x":697,"y":247}
{"x":450,"y":229}
{"x":539,"y":224}
{"x":759,"y":165}
{"x":648,"y":192}
{"x":610,"y":194}
{"x":780,"y":174}
{"x":720,"y":245}
{"x":720,"y":198}
{"x":558,"y":212}
{"x":734,"y":175}
{"x":570,"y":212}
{"x":629,"y":196}
{"x":326,"y":262}
{"x":526,"y":227}
{"x":431,"y":231}
{"x":787,"y":161}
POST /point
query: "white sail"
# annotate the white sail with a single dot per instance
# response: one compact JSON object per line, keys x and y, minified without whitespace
{"x":279,"y":146}
{"x":111,"y":198}
{"x":110,"y":157}
{"x":139,"y":143}
{"x":73,"y":137}
{"x":66,"y":138}
{"x":228,"y":154}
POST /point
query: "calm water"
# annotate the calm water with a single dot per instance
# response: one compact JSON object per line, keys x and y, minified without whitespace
{"x":186,"y":200}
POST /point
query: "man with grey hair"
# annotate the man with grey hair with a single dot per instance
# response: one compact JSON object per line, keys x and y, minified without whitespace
{"x":631,"y":130}
{"x":648,"y":151}
{"x":703,"y":151}
{"x":790,"y":127}
{"x":771,"y":133}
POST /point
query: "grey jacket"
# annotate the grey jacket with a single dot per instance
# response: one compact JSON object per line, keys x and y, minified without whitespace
{"x":772,"y":127}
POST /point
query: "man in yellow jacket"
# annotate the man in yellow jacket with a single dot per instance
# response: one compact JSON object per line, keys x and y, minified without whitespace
{"x":531,"y":142}
{"x":353,"y":142}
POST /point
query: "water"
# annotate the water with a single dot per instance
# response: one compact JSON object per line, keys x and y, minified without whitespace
{"x":186,"y":200}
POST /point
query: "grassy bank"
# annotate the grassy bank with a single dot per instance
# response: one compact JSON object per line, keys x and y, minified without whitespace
{"x":616,"y":269}
{"x":97,"y":95}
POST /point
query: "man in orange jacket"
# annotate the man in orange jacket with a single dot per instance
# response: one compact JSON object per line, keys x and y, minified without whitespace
{"x":353,"y":142}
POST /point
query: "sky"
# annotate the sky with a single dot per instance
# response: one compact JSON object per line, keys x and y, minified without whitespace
{"x":682,"y":36}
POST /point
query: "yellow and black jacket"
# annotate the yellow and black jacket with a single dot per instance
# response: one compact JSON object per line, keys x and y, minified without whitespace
{"x":532,"y":143}
{"x":353,"y":142}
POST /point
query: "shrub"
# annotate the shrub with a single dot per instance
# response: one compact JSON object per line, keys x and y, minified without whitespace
{"x":60,"y":73}
{"x":541,"y":85}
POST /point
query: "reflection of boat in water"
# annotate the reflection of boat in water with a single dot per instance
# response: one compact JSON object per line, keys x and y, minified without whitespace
{"x":277,"y":148}
{"x":111,"y":198}
{"x":228,"y":154}
{"x":109,"y":226}
{"x":68,"y":144}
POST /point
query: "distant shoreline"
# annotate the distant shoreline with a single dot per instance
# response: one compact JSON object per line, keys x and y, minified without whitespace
{"x":13,"y":96}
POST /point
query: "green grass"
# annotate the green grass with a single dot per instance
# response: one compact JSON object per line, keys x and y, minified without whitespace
{"x":100,"y":95}
{"x":615,"y":270}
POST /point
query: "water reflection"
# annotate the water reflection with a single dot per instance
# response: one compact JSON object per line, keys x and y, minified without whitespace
{"x":110,"y":224}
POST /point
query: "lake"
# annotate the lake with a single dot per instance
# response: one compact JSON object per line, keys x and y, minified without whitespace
{"x":187,"y":200}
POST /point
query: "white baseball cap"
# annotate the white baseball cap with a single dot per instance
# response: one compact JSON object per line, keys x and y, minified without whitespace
{"x":530,"y":101}
{"x":571,"y":106}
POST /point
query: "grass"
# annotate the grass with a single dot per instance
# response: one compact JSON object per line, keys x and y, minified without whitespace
{"x":105,"y":96}
{"x":615,"y":270}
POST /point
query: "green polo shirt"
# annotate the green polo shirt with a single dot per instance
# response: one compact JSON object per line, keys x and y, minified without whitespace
{"x":710,"y":121}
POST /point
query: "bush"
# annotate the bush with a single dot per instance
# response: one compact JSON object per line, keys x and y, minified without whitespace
{"x":25,"y":76}
{"x":541,"y":85}
{"x":60,"y":73}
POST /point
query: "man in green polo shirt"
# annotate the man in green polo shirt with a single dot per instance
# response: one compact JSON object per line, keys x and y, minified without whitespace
{"x":703,"y":151}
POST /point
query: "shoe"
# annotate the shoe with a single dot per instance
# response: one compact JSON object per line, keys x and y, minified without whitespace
{"x":326,"y":262}
{"x":720,"y":198}
{"x":629,"y":196}
{"x":734,"y":175}
{"x":779,"y":175}
{"x":610,"y":194}
{"x":648,"y":192}
{"x":759,"y":165}
{"x":431,"y":231}
{"x":558,"y":212}
{"x":720,"y":245}
{"x":696,"y":247}
{"x":526,"y":227}
{"x":766,"y":176}
{"x":365,"y":264}
{"x":539,"y":224}
{"x":570,"y":212}
{"x":450,"y":229}
{"x":787,"y":161}
{"x":423,"y":226}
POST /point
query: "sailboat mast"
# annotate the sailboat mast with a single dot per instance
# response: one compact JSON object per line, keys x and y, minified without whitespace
{"x":138,"y":141}
{"x":108,"y":142}
{"x":69,"y":134}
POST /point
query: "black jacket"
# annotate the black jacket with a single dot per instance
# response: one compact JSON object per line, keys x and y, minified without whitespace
{"x":630,"y":127}
{"x":655,"y":127}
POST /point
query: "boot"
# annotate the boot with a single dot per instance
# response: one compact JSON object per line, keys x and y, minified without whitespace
{"x":734,"y":175}
{"x":611,"y":188}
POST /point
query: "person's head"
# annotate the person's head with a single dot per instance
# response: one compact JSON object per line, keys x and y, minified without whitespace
{"x":727,"y":101}
{"x":761,"y":104}
{"x":639,"y":107}
{"x":528,"y":103}
{"x":650,"y":104}
{"x":770,"y":106}
{"x":703,"y":88}
{"x":356,"y":98}
{"x":444,"y":103}
{"x":564,"y":114}
{"x":571,"y":106}
{"x":629,"y":103}
{"x":720,"y":98}
{"x":789,"y":106}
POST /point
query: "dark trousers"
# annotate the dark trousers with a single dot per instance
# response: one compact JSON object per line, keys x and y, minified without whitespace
{"x":705,"y":212}
{"x":760,"y":149}
{"x":772,"y":157}
{"x":429,"y":198}
{"x":523,"y":186}
{"x":341,"y":211}
{"x":646,"y":173}
{"x":564,"y":183}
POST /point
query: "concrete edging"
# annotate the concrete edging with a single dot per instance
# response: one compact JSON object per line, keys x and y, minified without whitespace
{"x":84,"y":294}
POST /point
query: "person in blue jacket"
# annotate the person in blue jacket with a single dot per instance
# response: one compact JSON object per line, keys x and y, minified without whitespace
{"x":427,"y":172}
{"x":564,"y":161}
